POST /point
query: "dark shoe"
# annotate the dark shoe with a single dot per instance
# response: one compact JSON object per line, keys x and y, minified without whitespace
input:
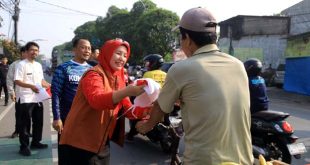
{"x":5,"y":104}
{"x":129,"y":138}
{"x":14,"y":135}
{"x":38,"y":146}
{"x":25,"y":152}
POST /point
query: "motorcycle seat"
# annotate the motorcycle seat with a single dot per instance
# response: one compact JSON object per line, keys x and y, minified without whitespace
{"x":270,"y":115}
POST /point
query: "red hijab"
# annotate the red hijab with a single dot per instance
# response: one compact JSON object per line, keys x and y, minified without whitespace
{"x":106,"y":54}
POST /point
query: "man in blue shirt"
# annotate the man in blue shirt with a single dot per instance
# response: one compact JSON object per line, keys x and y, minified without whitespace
{"x":65,"y":82}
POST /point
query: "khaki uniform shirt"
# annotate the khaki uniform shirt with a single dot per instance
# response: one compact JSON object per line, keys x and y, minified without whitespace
{"x":215,"y":106}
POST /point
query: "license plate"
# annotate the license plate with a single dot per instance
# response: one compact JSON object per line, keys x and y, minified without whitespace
{"x":298,"y":148}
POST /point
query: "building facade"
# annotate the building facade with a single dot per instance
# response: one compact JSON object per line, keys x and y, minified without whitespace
{"x":262,"y":37}
{"x":297,"y":53}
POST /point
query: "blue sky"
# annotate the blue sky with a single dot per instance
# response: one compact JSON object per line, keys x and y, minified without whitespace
{"x":51,"y":25}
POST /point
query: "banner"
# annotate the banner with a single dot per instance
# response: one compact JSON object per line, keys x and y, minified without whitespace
{"x":299,"y":47}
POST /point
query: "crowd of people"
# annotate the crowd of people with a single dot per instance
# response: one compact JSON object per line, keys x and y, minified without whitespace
{"x":90,"y":94}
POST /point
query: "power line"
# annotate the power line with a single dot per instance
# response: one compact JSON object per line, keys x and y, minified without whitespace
{"x":49,"y":12}
{"x":6,"y":7}
{"x":77,"y":11}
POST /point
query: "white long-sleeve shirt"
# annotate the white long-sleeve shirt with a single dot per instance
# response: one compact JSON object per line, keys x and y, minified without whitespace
{"x":10,"y":77}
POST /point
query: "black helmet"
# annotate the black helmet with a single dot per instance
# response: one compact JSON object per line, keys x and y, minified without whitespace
{"x":155,"y":61}
{"x":253,"y":66}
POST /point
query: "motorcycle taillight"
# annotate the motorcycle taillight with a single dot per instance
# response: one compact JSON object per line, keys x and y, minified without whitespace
{"x":287,"y":127}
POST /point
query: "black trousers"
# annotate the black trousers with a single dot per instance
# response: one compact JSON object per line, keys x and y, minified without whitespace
{"x":30,"y":111}
{"x":18,"y":119}
{"x":6,"y":93}
{"x":76,"y":156}
{"x":133,"y":131}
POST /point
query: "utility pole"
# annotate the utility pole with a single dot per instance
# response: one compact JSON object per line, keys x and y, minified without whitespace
{"x":15,"y":18}
{"x":231,"y":48}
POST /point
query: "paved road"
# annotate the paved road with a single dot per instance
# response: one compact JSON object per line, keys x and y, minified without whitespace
{"x":9,"y":147}
{"x":299,"y":108}
{"x":142,"y":151}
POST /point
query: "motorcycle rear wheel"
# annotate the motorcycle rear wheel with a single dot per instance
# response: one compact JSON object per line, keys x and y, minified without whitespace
{"x":279,"y":151}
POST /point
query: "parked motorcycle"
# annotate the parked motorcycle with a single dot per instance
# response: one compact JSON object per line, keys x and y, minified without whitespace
{"x":273,"y":137}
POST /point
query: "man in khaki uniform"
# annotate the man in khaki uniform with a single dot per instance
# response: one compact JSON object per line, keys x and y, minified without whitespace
{"x":213,"y":91}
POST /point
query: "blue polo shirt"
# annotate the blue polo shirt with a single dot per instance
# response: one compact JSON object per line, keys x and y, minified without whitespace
{"x":64,"y":86}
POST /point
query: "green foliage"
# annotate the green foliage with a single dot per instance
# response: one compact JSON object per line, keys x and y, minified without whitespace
{"x":168,"y":57}
{"x":141,"y":6}
{"x":154,"y":31}
{"x":10,"y":50}
{"x":64,"y":46}
{"x":146,"y":27}
{"x":88,"y":31}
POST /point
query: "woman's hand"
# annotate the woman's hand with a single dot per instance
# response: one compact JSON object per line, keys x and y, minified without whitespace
{"x":133,"y":90}
{"x":130,"y":90}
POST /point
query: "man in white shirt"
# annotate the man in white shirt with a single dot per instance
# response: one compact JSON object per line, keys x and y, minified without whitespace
{"x":11,"y":89}
{"x":28,"y":79}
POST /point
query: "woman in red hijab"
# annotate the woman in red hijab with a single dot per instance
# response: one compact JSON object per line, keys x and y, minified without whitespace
{"x":96,"y":114}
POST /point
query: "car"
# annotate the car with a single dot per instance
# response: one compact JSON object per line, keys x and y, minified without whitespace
{"x":279,"y":76}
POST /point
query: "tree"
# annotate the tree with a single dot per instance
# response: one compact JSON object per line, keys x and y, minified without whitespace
{"x":113,"y":25}
{"x":154,"y":32}
{"x":10,"y":50}
{"x":141,"y":6}
{"x":146,"y":27}
{"x":88,"y":31}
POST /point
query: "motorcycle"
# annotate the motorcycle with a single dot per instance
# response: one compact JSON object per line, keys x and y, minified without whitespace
{"x":273,"y":137}
{"x":176,"y":132}
{"x":168,"y":132}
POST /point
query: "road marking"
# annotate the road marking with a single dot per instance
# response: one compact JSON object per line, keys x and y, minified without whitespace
{"x":54,"y":137}
{"x":55,"y":155}
{"x":6,"y":111}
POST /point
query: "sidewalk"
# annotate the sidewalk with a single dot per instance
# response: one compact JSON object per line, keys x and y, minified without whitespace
{"x":9,"y":147}
{"x":280,"y":95}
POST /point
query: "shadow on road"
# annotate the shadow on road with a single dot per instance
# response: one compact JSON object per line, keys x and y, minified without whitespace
{"x":9,"y":153}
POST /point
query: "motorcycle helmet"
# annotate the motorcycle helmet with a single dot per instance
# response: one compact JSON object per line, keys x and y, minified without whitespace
{"x":253,"y":66}
{"x":153,"y":61}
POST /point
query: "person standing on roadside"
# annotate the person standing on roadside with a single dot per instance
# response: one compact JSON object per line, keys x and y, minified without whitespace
{"x":65,"y":82}
{"x":214,"y":97}
{"x":4,"y":68}
{"x":28,"y":79}
{"x":93,"y":59}
{"x":97,"y":114}
{"x":11,"y":90}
